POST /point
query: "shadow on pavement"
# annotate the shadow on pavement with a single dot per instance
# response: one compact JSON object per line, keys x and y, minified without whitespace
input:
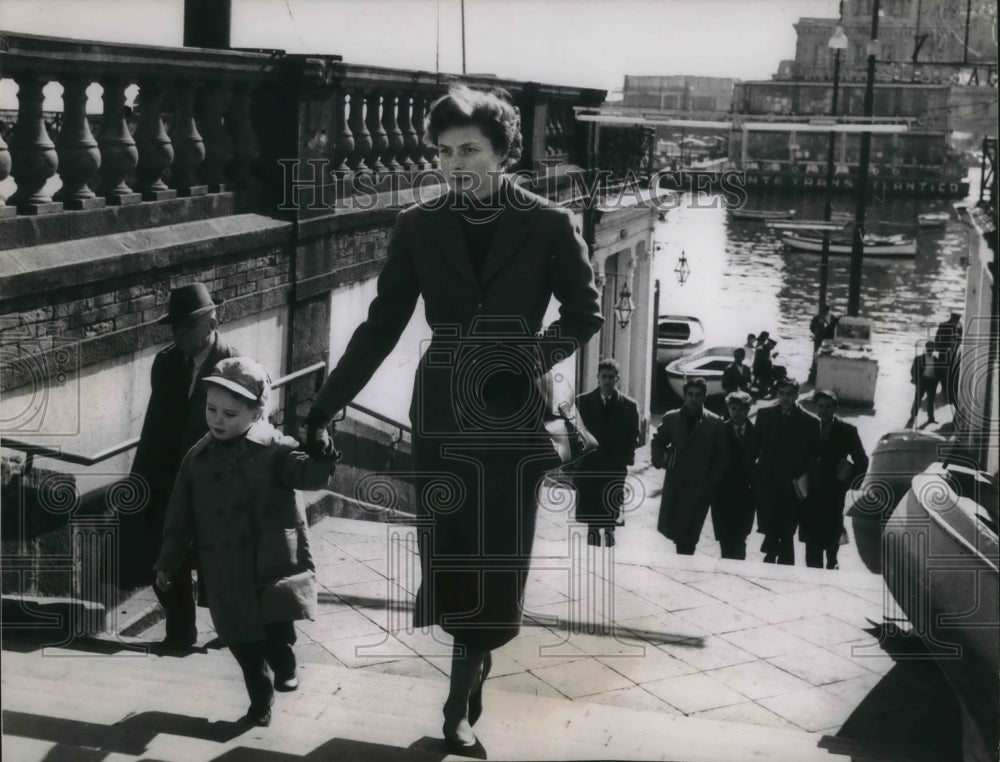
{"x":132,"y":735}
{"x":911,"y":714}
{"x":86,"y":741}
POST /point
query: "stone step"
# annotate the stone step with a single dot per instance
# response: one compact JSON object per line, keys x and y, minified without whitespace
{"x":185,"y":709}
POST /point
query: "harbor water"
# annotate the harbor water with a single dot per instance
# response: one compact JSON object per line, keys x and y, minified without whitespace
{"x":742,"y":280}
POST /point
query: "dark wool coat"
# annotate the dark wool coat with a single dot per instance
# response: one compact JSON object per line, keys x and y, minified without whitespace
{"x":236,"y":505}
{"x":823,"y":511}
{"x":173,"y":424}
{"x":479,"y":448}
{"x":693,"y":478}
{"x":600,"y":476}
{"x":787,"y":448}
{"x":733,"y":507}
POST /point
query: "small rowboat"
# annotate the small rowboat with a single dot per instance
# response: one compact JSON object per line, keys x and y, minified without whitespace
{"x":676,"y":336}
{"x":933,"y":219}
{"x":875,"y":246}
{"x":707,"y":364}
{"x":763,"y":214}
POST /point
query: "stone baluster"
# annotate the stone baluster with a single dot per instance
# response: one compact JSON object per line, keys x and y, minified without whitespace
{"x":394,"y":135}
{"x":5,"y":211}
{"x":156,"y":152}
{"x":344,"y":140}
{"x":218,"y":143}
{"x":362,"y":138}
{"x":189,"y":146}
{"x":79,"y":157}
{"x":119,"y":155}
{"x":420,"y":152}
{"x":380,"y":140}
{"x":245,"y":145}
{"x":34,"y":158}
{"x":409,"y":135}
{"x":432,"y":152}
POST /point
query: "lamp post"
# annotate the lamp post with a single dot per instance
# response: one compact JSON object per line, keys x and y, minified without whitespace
{"x":858,"y":247}
{"x":837,"y":43}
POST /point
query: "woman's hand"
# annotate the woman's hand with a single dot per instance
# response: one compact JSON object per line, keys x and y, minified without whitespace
{"x":163,"y":581}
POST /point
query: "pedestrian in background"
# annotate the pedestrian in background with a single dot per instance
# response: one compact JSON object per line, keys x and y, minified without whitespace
{"x":947,"y":341}
{"x":599,"y":478}
{"x":690,"y":444}
{"x":839,"y":463}
{"x":235,"y":503}
{"x":733,"y":508}
{"x":736,"y":375}
{"x":788,"y":443}
{"x":174,"y":422}
{"x":924,"y":377}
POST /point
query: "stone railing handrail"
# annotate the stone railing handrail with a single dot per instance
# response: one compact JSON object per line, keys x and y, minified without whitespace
{"x":59,"y":56}
{"x":211,"y":121}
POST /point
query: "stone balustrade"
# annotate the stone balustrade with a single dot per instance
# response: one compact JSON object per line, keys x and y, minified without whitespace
{"x":192,"y":134}
{"x":210,"y":121}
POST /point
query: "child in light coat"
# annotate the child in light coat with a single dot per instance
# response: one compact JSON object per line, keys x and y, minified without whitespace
{"x":235,"y":503}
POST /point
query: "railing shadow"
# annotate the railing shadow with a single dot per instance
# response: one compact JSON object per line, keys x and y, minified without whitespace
{"x":911,"y":713}
{"x":76,"y":739}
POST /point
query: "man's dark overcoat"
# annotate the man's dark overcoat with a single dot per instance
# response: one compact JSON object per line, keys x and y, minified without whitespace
{"x":479,"y":448}
{"x":173,"y":424}
{"x":600,"y":476}
{"x":694,"y":474}
{"x":733,"y":508}
{"x":787,"y":448}
{"x":823,"y":512}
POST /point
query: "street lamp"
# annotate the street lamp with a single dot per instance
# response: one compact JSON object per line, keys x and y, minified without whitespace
{"x":624,"y":307}
{"x":837,"y":43}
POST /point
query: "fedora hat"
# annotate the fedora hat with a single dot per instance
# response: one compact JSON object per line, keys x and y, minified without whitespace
{"x":188,"y":301}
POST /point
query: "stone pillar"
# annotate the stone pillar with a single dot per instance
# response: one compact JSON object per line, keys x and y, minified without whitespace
{"x":5,"y":211}
{"x":119,"y":155}
{"x":33,"y":152}
{"x":156,"y":152}
{"x":188,"y":144}
{"x":79,"y":157}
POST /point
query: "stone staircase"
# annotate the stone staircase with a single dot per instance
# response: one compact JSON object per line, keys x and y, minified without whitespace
{"x":111,"y":700}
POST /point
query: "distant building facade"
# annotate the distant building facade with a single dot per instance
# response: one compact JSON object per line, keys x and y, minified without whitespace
{"x":946,"y":100}
{"x":678,"y":93}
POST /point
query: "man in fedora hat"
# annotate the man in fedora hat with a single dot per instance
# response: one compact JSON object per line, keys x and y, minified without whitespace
{"x":175,"y":421}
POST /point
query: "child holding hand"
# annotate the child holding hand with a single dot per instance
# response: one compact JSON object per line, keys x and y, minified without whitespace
{"x":235,"y":504}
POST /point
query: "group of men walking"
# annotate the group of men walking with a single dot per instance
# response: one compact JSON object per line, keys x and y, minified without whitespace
{"x":791,"y":469}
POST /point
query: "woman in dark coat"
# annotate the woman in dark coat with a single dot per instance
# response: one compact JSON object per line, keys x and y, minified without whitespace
{"x":487,"y":258}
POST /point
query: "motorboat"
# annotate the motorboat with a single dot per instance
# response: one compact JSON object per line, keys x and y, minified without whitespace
{"x":898,"y":457}
{"x":933,"y":219}
{"x":763,"y":214}
{"x":676,"y":336}
{"x":707,"y":364}
{"x":940,"y":562}
{"x":875,"y":246}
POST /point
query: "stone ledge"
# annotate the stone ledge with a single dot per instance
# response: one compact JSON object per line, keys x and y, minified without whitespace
{"x":34,"y":270}
{"x":28,"y":230}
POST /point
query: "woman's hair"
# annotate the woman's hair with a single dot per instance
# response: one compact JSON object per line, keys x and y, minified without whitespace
{"x":491,"y":111}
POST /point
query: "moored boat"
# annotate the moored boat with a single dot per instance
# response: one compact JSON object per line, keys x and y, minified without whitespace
{"x":676,"y":336}
{"x":763,"y":214}
{"x":875,"y":246}
{"x":933,"y":219}
{"x":707,"y":364}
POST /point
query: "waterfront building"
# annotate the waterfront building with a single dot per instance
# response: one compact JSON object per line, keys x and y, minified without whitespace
{"x":924,"y":75}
